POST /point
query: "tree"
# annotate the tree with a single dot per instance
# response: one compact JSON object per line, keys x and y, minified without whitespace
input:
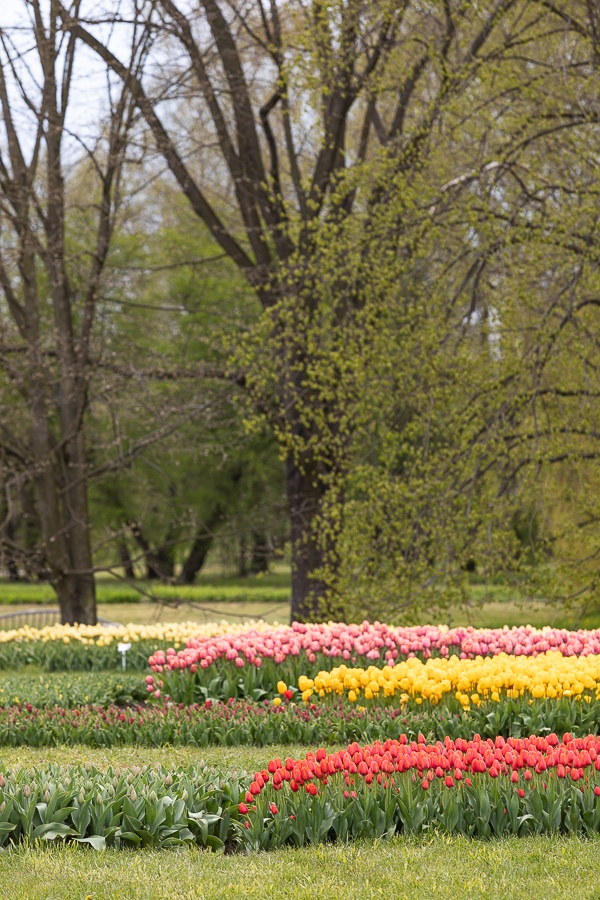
{"x":175,"y":307}
{"x":49,"y":290}
{"x":301,"y":98}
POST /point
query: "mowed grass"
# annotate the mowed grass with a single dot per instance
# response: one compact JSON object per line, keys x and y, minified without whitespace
{"x":216,"y":598}
{"x":151,"y":613}
{"x":265,"y":589}
{"x":247,"y":759}
{"x":440,"y":866}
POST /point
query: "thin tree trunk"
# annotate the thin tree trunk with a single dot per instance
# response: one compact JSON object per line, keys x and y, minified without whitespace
{"x":126,"y":560}
{"x":10,"y":557}
{"x":243,"y":557}
{"x":259,"y":563}
{"x":159,"y":563}
{"x":199,"y":550}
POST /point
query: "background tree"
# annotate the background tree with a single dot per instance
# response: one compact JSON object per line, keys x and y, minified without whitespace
{"x":175,"y":307}
{"x":49,"y":297}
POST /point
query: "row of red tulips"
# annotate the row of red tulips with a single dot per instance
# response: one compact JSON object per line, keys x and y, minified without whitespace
{"x":450,"y":760}
{"x":478,"y":788}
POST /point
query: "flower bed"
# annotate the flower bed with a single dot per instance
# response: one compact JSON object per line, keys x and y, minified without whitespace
{"x":94,"y":647}
{"x":243,"y":723}
{"x":140,"y":807}
{"x":72,"y":689}
{"x":477,"y":788}
{"x":250,"y":663}
{"x":470,"y":681}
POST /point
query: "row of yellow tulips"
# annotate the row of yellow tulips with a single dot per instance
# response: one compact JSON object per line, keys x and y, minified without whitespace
{"x":176,"y":633}
{"x":471,"y":681}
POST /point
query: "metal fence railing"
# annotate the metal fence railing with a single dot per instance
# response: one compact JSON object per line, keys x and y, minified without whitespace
{"x":36,"y":618}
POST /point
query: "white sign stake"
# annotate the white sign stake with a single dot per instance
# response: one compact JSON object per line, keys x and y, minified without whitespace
{"x":123,"y":648}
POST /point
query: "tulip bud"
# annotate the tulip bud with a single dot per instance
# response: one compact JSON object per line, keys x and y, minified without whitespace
{"x":169,"y":780}
{"x":152,"y":797}
{"x":185,"y":796}
{"x":2,"y":780}
{"x":98,"y":799}
{"x":26,"y":791}
{"x":132,"y":795}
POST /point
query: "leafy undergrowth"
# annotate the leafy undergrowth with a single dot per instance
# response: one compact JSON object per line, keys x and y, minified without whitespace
{"x":240,"y":723}
{"x":71,"y":690}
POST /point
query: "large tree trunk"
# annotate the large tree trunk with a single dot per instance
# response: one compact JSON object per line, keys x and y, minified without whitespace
{"x":305,"y":494}
{"x":77,"y":599}
{"x":77,"y":525}
{"x":65,"y":525}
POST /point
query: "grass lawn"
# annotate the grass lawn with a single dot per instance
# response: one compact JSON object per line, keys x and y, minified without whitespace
{"x":234,"y":758}
{"x":271,"y":588}
{"x":548,"y":867}
{"x":216,"y":598}
{"x":552,"y":867}
{"x":494,"y":614}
